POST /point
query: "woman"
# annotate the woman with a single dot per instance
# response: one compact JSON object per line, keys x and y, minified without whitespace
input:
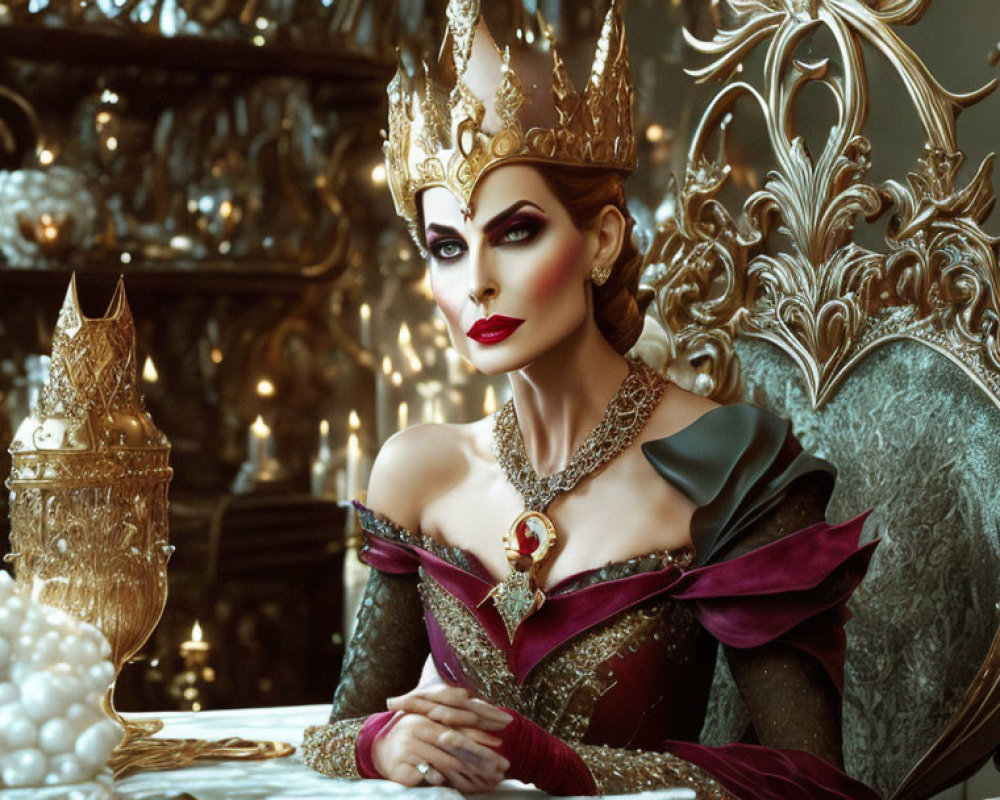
{"x":573,"y":620}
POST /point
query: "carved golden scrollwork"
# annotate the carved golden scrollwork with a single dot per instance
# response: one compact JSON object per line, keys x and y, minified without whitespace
{"x":787,"y":268}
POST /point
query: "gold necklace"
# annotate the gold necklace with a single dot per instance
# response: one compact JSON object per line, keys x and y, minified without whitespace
{"x":531,"y":536}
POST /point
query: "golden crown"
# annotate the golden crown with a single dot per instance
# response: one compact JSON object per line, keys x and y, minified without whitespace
{"x":451,"y":138}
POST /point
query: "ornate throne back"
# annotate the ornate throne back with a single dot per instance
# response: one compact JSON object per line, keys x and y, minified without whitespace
{"x":887,"y":363}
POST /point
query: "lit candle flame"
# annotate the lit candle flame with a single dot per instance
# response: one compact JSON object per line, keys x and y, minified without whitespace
{"x":265,"y":388}
{"x":216,"y":355}
{"x":149,"y":373}
{"x":386,"y":366}
{"x":404,"y":335}
{"x":196,"y":634}
{"x":366,"y":312}
{"x":260,"y":428}
{"x":353,"y":420}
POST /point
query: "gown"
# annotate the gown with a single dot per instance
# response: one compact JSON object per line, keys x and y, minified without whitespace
{"x":618,"y":662}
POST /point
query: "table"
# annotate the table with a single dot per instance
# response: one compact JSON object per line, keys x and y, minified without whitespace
{"x":279,"y":779}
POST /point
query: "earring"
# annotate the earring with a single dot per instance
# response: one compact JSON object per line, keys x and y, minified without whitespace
{"x":600,"y":275}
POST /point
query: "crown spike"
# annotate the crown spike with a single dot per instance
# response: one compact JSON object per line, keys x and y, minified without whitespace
{"x":463,"y":18}
{"x":445,"y":137}
{"x":70,"y":315}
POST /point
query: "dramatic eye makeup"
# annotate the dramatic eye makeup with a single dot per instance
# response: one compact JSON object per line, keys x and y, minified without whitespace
{"x":517,"y":224}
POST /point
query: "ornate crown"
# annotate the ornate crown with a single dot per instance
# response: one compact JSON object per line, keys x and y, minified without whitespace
{"x":451,"y":138}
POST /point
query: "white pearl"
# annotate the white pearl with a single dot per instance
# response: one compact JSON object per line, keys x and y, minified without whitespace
{"x":94,"y":745}
{"x":81,"y":717}
{"x":19,"y":672}
{"x":10,"y":620}
{"x":69,"y":769}
{"x":99,"y":676}
{"x":57,"y":618}
{"x":93,"y":634}
{"x":23,"y":768}
{"x":46,"y":651}
{"x":8,"y":694}
{"x":42,"y":697}
{"x":9,"y":714}
{"x":19,"y":733}
{"x":79,"y":651}
{"x":57,"y":736}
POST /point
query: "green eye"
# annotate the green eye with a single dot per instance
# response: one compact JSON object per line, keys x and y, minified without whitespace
{"x":447,"y":249}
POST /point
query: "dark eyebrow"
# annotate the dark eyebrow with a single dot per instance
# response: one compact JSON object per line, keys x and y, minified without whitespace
{"x":507,"y":213}
{"x":493,"y":223}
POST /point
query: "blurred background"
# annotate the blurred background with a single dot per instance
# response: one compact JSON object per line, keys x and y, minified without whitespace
{"x":225,"y":157}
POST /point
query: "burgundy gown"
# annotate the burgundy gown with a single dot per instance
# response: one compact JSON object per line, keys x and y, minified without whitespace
{"x":619,"y":661}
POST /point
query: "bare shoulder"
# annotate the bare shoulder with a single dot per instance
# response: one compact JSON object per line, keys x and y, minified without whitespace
{"x":678,"y":409}
{"x":415,"y":466}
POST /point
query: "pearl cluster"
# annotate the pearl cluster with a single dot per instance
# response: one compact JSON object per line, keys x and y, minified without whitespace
{"x":54,"y":670}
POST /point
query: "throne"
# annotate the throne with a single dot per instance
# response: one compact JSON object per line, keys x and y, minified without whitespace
{"x":886,"y":358}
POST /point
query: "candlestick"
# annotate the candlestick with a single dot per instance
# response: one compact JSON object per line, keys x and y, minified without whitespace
{"x":402,"y":416}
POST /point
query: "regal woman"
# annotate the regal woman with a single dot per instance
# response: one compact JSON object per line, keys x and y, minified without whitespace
{"x":551,"y":585}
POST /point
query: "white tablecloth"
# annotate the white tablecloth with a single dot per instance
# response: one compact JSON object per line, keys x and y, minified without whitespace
{"x":284,"y":778}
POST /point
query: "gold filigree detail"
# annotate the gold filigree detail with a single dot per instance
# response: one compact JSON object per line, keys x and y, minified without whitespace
{"x":330,"y":749}
{"x":824,"y":299}
{"x":561,"y":692}
{"x":618,"y":771}
{"x":437,"y":136}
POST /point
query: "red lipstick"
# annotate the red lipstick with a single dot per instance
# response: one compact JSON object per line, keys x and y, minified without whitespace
{"x":493,"y":329}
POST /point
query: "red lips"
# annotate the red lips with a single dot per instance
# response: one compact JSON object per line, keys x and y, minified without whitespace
{"x":493,"y":329}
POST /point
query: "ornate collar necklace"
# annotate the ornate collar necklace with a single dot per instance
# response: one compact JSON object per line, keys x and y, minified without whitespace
{"x":532,"y":535}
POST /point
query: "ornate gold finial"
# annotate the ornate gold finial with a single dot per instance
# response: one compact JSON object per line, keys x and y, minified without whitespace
{"x":451,"y":137}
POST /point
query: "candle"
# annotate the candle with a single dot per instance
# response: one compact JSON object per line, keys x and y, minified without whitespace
{"x":265,"y":388}
{"x":402,"y":416}
{"x":366,"y":326}
{"x":196,"y":645}
{"x":320,"y":466}
{"x":490,"y":400}
{"x":353,"y":466}
{"x":259,"y":443}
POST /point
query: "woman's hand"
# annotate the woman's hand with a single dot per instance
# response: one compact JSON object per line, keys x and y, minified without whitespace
{"x":460,"y":757}
{"x":453,"y":706}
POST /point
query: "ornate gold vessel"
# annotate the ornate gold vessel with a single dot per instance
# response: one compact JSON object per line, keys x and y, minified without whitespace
{"x":88,"y":486}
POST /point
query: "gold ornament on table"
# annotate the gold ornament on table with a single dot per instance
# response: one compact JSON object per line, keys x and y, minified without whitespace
{"x":88,"y":508}
{"x":450,"y":136}
{"x":88,"y":487}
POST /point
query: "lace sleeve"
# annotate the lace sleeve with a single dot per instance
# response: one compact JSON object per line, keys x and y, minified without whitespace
{"x":793,"y":703}
{"x":384,"y":659}
{"x":618,"y":771}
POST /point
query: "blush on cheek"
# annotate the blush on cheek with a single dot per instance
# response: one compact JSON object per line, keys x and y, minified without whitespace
{"x":554,"y":275}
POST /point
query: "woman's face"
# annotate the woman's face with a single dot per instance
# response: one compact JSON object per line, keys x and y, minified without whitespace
{"x":512,"y":280}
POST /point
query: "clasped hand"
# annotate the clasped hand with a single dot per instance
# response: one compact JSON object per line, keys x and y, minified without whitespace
{"x":448,"y":729}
